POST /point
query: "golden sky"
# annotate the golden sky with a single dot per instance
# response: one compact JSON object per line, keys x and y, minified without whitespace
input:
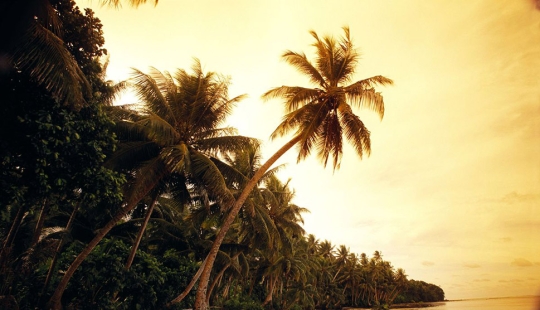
{"x":451,"y":192}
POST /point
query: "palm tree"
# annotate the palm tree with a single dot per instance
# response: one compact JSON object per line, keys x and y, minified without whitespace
{"x":175,"y":133}
{"x":342,"y":258}
{"x":326,"y":250}
{"x":318,"y":116}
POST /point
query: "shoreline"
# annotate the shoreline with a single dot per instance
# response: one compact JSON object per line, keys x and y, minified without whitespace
{"x":407,"y":305}
{"x":418,"y":305}
{"x":441,"y":303}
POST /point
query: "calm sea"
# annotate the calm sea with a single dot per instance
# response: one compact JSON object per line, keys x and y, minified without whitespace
{"x":511,"y":303}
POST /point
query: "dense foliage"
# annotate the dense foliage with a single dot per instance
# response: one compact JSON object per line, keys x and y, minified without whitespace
{"x":51,"y":159}
{"x":66,"y":169}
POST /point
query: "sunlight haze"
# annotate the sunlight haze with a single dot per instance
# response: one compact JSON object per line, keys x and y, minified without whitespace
{"x":451,"y":191}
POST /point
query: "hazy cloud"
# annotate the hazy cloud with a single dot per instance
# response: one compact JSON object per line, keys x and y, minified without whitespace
{"x":521,"y":262}
{"x":511,"y":281}
{"x":515,"y":197}
{"x":505,"y":239}
{"x":523,"y":120}
{"x":365,"y":223}
{"x":428,"y":264}
{"x":481,"y":280}
{"x":471,"y":265}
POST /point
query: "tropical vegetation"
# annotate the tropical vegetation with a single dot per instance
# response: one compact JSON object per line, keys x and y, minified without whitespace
{"x":160,"y":204}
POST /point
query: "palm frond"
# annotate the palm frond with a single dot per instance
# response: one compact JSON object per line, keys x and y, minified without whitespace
{"x":215,"y":132}
{"x":232,"y":176}
{"x":302,"y":64}
{"x":362,"y":93}
{"x":264,"y":226}
{"x":225,"y":144}
{"x":325,"y":57}
{"x":310,"y":128}
{"x":145,"y":178}
{"x":355,"y":130}
{"x":330,"y":140}
{"x":179,"y":188}
{"x":296,"y":119}
{"x":206,"y":171}
{"x":115,"y":91}
{"x":173,"y":204}
{"x":225,"y":107}
{"x":157,"y":130}
{"x":45,"y":57}
{"x":124,"y":113}
{"x":151,"y":92}
{"x":270,"y":173}
{"x":348,"y":60}
{"x":295,"y":97}
{"x":176,"y":157}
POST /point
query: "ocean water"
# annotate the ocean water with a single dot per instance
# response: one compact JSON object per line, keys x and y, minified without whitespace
{"x":511,"y":303}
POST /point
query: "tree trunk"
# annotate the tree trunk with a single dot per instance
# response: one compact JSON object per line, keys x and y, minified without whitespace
{"x":227,"y":288}
{"x":268,"y":298}
{"x":58,"y":248}
{"x":55,"y":301}
{"x":215,"y":282}
{"x":40,"y":223}
{"x":218,"y":277}
{"x":141,"y":233}
{"x":5,"y":252}
{"x":200,"y":299}
{"x":188,"y":287}
{"x":13,"y":229}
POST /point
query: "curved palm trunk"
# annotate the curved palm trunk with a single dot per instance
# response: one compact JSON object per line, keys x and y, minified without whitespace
{"x":58,"y":248}
{"x":337,"y":273}
{"x":227,"y":288}
{"x":219,"y":277}
{"x":200,"y":300}
{"x":135,"y":246}
{"x":13,"y":229}
{"x":55,"y":301}
{"x":188,"y":287}
{"x":40,"y":222}
{"x":270,"y":294}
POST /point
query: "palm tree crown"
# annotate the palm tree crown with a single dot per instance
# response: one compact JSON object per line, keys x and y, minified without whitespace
{"x":323,"y":114}
{"x":177,"y":128}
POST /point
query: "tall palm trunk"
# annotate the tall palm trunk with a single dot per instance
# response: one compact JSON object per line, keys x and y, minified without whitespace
{"x":188,"y":287}
{"x":227,"y":288}
{"x":5,"y":253}
{"x":58,"y":248}
{"x":200,"y":299}
{"x":41,"y":221}
{"x":141,"y":232}
{"x":55,"y":301}
{"x":13,"y":229}
{"x":219,"y":277}
{"x":270,"y":294}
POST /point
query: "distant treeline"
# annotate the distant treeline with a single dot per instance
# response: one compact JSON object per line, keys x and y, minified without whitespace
{"x":420,"y":291}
